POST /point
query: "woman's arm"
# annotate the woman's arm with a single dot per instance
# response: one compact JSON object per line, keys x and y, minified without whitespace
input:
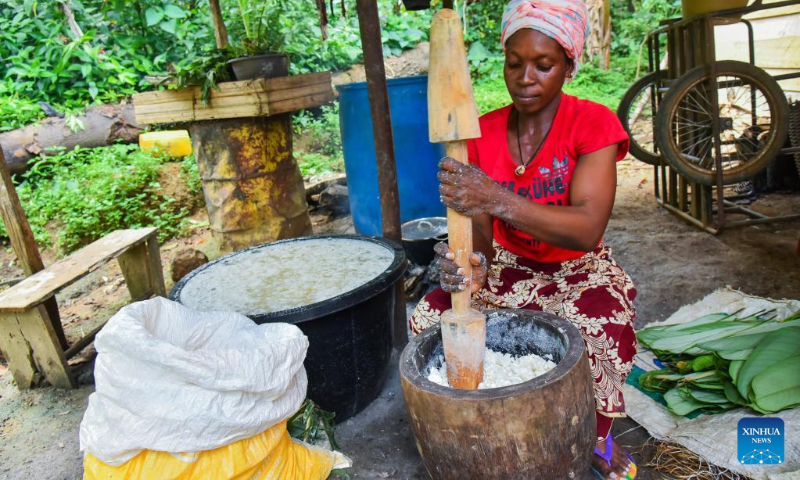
{"x":579,"y":226}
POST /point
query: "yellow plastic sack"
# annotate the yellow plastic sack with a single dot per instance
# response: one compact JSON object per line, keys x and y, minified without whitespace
{"x":269,"y":455}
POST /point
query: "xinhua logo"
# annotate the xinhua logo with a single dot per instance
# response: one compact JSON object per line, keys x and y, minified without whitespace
{"x":760,"y":441}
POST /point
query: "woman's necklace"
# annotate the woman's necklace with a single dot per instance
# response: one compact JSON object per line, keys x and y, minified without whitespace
{"x":520,"y":170}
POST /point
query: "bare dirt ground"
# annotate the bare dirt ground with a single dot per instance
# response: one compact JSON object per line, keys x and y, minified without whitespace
{"x":671,"y":263}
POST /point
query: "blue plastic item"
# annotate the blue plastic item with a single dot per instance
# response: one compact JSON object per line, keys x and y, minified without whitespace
{"x":417,"y":159}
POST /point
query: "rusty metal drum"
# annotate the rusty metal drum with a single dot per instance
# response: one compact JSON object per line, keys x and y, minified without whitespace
{"x":252,"y":185}
{"x":543,"y":428}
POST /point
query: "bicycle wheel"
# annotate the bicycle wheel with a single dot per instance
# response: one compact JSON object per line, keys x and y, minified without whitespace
{"x":753,"y":121}
{"x":636,"y":114}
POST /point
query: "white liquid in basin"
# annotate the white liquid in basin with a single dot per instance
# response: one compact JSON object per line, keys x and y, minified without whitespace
{"x":501,"y":370}
{"x":285,"y":276}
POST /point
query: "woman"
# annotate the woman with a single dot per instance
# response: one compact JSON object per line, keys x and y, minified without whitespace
{"x":540,"y":189}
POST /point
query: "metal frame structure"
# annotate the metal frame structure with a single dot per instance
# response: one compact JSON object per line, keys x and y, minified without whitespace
{"x":690,"y":42}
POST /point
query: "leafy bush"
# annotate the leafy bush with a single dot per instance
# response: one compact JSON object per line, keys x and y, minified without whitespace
{"x":16,"y":112}
{"x":320,"y":148}
{"x":43,"y":61}
{"x":87,"y":193}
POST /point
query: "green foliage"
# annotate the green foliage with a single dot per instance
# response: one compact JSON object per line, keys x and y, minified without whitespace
{"x":311,"y":424}
{"x":490,"y":92}
{"x":601,"y":86}
{"x":319,"y":150}
{"x":87,"y":193}
{"x":16,"y":112}
{"x":629,"y":29}
{"x":402,"y":32}
{"x":42,"y":59}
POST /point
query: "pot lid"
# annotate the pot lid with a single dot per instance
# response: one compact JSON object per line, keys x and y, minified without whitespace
{"x":424,"y":228}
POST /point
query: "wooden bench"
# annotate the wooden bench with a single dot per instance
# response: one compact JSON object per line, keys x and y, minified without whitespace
{"x":28,"y":336}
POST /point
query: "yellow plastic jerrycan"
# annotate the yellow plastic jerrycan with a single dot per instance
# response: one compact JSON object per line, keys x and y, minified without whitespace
{"x":175,"y":143}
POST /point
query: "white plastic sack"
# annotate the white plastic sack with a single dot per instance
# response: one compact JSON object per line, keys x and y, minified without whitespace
{"x":172,"y":379}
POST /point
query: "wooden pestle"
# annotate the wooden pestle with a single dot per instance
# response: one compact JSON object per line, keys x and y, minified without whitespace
{"x":453,"y":118}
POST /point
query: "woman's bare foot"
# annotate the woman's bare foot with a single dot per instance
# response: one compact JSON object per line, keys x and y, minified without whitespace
{"x":620,"y":463}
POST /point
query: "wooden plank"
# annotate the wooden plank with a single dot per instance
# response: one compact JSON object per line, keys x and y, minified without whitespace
{"x":16,"y":351}
{"x":295,"y":81}
{"x":47,"y":354}
{"x":39,"y":287}
{"x":156,"y":271}
{"x":250,"y":98}
{"x":295,"y":104}
{"x":134,"y":266}
{"x":315,"y":89}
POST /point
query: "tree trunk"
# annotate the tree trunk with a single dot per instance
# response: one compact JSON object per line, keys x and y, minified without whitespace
{"x":104,"y":125}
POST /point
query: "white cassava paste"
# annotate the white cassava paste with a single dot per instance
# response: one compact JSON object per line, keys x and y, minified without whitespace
{"x":288,"y":275}
{"x":501,"y":370}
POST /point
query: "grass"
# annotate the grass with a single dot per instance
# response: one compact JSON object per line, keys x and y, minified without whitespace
{"x":77,"y":197}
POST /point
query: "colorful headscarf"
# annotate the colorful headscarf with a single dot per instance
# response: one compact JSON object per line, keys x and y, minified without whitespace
{"x":565,"y":21}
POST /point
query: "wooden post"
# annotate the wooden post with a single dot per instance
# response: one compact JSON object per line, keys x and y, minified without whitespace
{"x":370,"y":28}
{"x":16,"y":351}
{"x":220,"y":32}
{"x":155,"y":271}
{"x":19,"y":231}
{"x":40,"y":335}
{"x":141,"y":267}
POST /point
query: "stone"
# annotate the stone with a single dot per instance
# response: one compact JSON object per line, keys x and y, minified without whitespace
{"x":186,"y":261}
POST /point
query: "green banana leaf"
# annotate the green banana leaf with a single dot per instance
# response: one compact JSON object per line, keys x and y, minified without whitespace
{"x":679,"y":405}
{"x":735,"y":354}
{"x":705,"y":396}
{"x":739,"y":342}
{"x":690,"y":341}
{"x":733,"y":395}
{"x":659,"y":380}
{"x":778,"y":387}
{"x":776,"y":347}
{"x":648,"y":335}
{"x":736,"y":365}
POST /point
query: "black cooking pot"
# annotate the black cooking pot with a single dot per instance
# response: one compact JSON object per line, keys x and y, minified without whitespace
{"x":419,"y":237}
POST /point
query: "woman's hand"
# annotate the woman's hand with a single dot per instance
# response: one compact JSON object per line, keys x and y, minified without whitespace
{"x":452,"y":276}
{"x":465,"y":188}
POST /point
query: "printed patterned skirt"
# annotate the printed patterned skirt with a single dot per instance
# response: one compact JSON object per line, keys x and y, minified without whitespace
{"x":592,"y":291}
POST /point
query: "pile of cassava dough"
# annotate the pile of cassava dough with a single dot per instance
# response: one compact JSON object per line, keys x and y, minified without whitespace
{"x":501,"y":369}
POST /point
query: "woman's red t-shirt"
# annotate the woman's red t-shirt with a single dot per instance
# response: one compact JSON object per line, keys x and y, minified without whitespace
{"x":579,"y":127}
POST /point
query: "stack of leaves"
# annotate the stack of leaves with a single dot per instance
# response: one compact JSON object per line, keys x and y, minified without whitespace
{"x":721,"y":361}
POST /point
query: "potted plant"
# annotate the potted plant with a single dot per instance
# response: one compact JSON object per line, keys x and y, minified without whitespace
{"x":257,"y":57}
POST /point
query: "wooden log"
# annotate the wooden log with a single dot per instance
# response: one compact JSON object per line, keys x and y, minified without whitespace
{"x":104,"y":125}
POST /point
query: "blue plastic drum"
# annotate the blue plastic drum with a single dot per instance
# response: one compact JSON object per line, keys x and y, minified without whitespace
{"x":416,"y":158}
